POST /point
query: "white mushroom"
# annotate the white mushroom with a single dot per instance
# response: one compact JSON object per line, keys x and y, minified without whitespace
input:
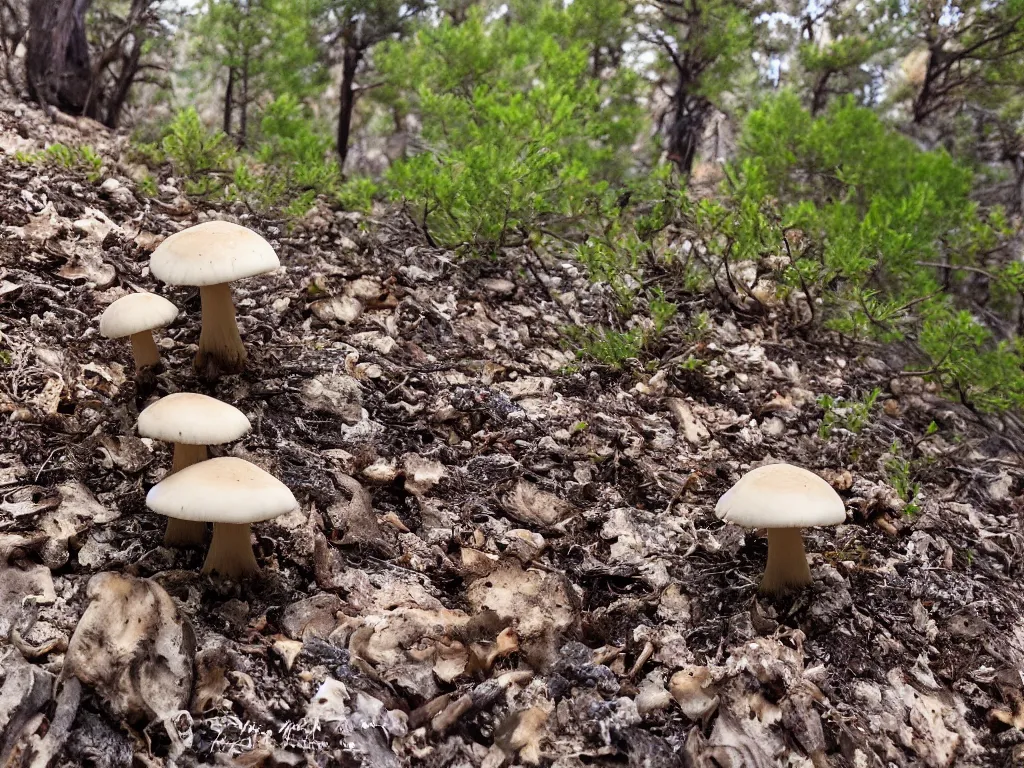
{"x":191,"y":421}
{"x":135,"y":316}
{"x":212,"y":255}
{"x":783,"y":499}
{"x":231,"y":493}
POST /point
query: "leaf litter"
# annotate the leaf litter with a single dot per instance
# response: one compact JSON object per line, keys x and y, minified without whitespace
{"x":498,"y":558}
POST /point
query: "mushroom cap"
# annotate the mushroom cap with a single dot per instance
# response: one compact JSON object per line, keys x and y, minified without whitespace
{"x":211,"y":253}
{"x":223,"y":490}
{"x":781,"y":496}
{"x":193,"y":419}
{"x":135,"y":313}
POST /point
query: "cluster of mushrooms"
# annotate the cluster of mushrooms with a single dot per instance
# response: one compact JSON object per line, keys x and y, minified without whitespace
{"x":232,"y":493}
{"x":229,"y":492}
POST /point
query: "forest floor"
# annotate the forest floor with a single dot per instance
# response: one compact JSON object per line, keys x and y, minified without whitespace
{"x":503,"y":555}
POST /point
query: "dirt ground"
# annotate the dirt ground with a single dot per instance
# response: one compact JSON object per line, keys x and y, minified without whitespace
{"x":503,"y":555}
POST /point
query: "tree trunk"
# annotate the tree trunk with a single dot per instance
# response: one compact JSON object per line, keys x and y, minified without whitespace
{"x":923,"y":105}
{"x":229,"y":96}
{"x":689,"y":112}
{"x":243,"y":122}
{"x":14,"y":30}
{"x":349,"y":66}
{"x":1017,"y":201}
{"x":123,"y":84}
{"x":57,"y":56}
{"x":819,"y":95}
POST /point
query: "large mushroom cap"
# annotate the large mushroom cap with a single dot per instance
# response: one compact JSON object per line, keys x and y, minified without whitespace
{"x":224,"y":490}
{"x":135,"y":313}
{"x":193,"y":419}
{"x":212,"y":253}
{"x":781,"y":496}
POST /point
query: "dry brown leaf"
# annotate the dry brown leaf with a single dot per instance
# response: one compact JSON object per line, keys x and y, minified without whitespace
{"x":522,"y":733}
{"x":536,"y":602}
{"x":134,"y":647}
{"x":421,"y":474}
{"x":41,"y":226}
{"x":288,"y":650}
{"x":692,"y":689}
{"x":339,"y":309}
{"x":313,"y":617}
{"x":88,"y":266}
{"x":532,"y":505}
{"x":18,"y":585}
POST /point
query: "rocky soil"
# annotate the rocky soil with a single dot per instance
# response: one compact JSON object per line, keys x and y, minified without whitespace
{"x":503,"y":555}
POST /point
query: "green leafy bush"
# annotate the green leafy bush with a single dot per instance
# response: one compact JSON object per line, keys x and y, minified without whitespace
{"x":884,"y":233}
{"x":203,"y":157}
{"x":83,"y":158}
{"x":291,"y":166}
{"x":851,"y":415}
{"x":517,"y":136}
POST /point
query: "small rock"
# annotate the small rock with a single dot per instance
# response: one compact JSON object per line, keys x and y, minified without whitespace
{"x":334,"y":393}
{"x":687,"y":423}
{"x":498,"y":286}
{"x":340,"y":309}
{"x":313,"y":617}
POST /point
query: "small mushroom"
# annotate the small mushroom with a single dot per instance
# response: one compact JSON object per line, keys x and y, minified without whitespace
{"x":783,"y":499}
{"x":232,"y":494}
{"x":191,"y":421}
{"x":212,"y":255}
{"x":135,"y":316}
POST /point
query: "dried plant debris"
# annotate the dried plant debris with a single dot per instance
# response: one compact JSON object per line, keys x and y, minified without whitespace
{"x":133,"y":647}
{"x":501,"y":555}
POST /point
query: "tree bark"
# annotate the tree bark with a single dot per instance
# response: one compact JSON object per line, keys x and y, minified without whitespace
{"x":923,"y":105}
{"x":123,"y":84}
{"x":15,"y":27}
{"x":689,"y":112}
{"x":819,"y":96}
{"x":57,"y":56}
{"x":349,"y":65}
{"x":243,"y":121}
{"x":229,"y":95}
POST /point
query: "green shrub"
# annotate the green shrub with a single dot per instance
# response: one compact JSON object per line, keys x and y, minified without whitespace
{"x":851,"y":415}
{"x":518,"y":137}
{"x":83,"y":158}
{"x":202,"y":157}
{"x":610,"y":347}
{"x":864,"y":217}
{"x":291,"y":166}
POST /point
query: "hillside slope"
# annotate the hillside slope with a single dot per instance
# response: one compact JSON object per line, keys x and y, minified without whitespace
{"x":502,"y":555}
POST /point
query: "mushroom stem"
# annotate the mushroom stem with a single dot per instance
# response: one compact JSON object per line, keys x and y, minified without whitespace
{"x":186,"y":455}
{"x":185,"y":533}
{"x":144,"y":350}
{"x":231,"y":552}
{"x":787,"y":562}
{"x":220,"y":346}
